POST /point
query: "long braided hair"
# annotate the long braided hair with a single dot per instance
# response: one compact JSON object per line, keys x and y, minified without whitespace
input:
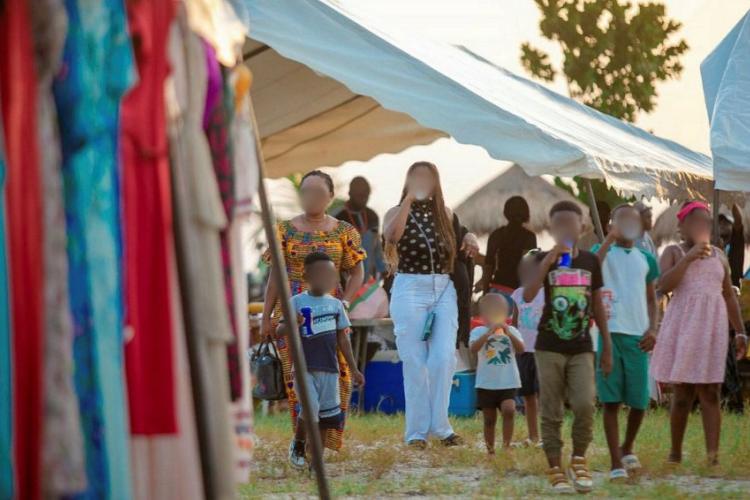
{"x":443,"y":223}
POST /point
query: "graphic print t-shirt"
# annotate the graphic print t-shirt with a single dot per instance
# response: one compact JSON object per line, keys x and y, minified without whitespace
{"x":496,"y":361}
{"x":322,"y":316}
{"x":566,"y":318}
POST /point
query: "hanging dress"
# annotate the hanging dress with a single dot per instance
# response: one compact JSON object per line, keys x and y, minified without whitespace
{"x":216,"y":122}
{"x":199,"y":217}
{"x":148,"y":226}
{"x":169,"y":466}
{"x":245,"y":167}
{"x":18,"y":90}
{"x":63,"y":462}
{"x":97,"y":71}
{"x":6,"y":393}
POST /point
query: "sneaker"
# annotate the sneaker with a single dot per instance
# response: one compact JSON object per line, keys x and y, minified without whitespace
{"x":452,"y":440}
{"x":631,"y":462}
{"x":297,"y":454}
{"x":617,"y":475}
{"x":419,"y":444}
{"x":579,"y":475}
{"x":559,"y":482}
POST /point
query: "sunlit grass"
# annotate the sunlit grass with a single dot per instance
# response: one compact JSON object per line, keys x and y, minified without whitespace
{"x":374,"y":463}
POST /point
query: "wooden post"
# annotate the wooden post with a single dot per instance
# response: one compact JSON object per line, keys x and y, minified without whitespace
{"x":594,"y":211}
{"x":278,"y":273}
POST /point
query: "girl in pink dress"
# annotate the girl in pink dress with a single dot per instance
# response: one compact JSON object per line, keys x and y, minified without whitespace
{"x":693,"y":339}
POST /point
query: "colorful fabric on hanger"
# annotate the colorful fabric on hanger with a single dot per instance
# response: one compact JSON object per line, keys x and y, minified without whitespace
{"x":217,"y":121}
{"x":63,"y":461}
{"x":199,"y":217}
{"x":6,"y":392}
{"x":18,"y":91}
{"x":98,"y":69}
{"x":148,"y":226}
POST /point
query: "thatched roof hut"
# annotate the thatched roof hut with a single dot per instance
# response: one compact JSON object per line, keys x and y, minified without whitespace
{"x":482,"y":212}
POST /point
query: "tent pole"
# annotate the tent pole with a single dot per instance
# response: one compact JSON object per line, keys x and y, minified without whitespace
{"x":278,"y":273}
{"x":716,"y":203}
{"x":594,"y":211}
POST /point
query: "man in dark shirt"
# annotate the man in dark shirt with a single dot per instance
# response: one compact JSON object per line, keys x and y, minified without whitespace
{"x":506,"y":246}
{"x":366,"y":221}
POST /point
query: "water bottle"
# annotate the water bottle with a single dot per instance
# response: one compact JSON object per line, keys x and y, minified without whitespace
{"x":566,"y":259}
{"x":306,"y":325}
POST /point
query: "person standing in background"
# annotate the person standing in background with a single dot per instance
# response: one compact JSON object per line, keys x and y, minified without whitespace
{"x":356,"y":212}
{"x":645,"y":242}
{"x":732,"y":241}
{"x":506,"y":247}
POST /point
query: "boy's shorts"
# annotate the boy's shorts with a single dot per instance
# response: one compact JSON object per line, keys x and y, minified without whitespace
{"x":527,"y":368}
{"x":493,"y":398}
{"x":325,"y":397}
{"x":628,"y":382}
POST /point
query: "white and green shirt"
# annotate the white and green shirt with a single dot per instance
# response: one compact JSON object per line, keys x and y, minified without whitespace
{"x":626,"y":272}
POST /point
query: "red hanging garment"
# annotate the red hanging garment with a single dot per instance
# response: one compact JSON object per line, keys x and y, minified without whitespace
{"x":24,"y":205}
{"x":148,"y":225}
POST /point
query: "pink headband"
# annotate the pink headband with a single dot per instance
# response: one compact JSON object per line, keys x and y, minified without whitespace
{"x":688,"y":209}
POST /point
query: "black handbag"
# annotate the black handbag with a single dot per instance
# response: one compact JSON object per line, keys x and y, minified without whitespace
{"x":268,"y":372}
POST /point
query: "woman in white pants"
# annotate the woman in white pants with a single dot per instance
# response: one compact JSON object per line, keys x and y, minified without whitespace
{"x":421,"y":245}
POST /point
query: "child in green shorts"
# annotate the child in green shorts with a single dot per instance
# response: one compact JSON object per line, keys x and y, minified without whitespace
{"x":630,"y":296}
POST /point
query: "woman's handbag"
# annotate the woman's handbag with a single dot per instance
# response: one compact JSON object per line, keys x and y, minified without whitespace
{"x":265,"y":366}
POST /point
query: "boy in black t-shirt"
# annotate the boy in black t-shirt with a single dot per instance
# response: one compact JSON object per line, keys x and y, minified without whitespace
{"x":572,"y":280}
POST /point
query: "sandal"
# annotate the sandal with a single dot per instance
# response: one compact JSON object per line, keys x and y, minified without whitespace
{"x":559,"y":482}
{"x":631,"y":462}
{"x":617,"y":475}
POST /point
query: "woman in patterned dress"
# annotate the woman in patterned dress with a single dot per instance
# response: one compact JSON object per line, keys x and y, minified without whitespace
{"x":315,"y":231}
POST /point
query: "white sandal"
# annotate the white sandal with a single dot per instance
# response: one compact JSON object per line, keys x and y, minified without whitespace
{"x":631,"y":462}
{"x":618,"y":475}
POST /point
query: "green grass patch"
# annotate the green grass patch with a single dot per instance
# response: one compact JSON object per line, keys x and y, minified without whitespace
{"x":374,"y":463}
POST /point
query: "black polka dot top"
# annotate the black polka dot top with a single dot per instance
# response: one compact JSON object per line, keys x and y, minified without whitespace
{"x":414,"y":247}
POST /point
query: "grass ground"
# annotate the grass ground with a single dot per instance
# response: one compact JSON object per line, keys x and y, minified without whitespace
{"x":374,"y":463}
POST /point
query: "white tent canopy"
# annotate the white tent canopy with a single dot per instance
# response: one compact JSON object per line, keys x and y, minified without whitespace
{"x":449,"y":89}
{"x":307,"y":120}
{"x":726,"y":86}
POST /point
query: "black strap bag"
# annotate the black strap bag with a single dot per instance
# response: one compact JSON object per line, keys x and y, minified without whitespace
{"x":268,"y":372}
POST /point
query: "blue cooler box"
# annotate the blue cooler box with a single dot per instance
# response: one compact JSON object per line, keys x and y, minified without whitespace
{"x":463,"y":401}
{"x":384,"y":385}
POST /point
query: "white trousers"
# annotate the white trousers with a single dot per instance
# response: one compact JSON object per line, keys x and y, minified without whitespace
{"x":428,"y":365}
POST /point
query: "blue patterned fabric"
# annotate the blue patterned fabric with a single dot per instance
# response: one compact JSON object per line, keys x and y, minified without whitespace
{"x":98,"y":69}
{"x":6,"y":401}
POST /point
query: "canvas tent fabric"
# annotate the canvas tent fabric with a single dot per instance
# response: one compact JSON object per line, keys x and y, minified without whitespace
{"x":449,"y":89}
{"x":726,"y":87}
{"x":307,"y":120}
